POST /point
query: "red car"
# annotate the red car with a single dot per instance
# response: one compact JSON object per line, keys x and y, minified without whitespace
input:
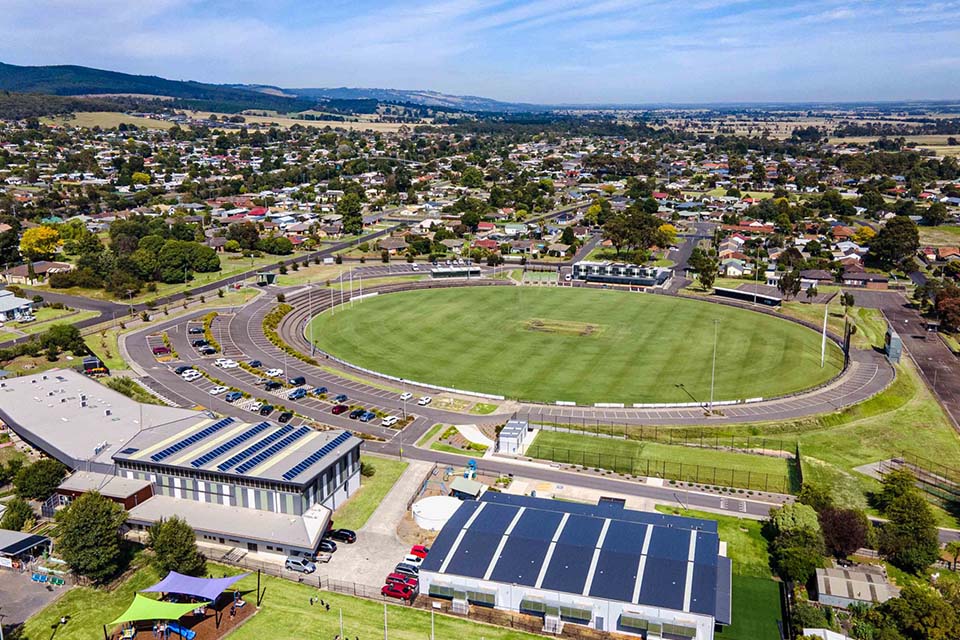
{"x":419,"y":550}
{"x":400,"y":592}
{"x":161,"y":351}
{"x":338,"y":409}
{"x":403,"y":581}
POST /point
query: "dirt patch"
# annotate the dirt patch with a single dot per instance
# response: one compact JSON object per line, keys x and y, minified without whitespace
{"x":410,"y":533}
{"x":562,"y":327}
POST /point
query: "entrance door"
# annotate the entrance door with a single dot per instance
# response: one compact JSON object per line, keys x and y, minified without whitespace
{"x":252,"y":546}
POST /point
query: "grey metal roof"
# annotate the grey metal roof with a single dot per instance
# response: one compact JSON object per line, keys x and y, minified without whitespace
{"x":16,"y":542}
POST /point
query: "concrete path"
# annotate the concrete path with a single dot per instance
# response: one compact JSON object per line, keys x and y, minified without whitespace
{"x":472,"y":433}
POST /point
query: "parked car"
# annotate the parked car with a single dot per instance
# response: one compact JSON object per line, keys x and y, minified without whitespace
{"x":367,"y":416}
{"x":401,"y":579}
{"x":274,"y":373}
{"x":338,"y":409}
{"x":266,"y":409}
{"x":424,"y":401}
{"x":206,"y":350}
{"x":419,"y":550}
{"x":260,"y":381}
{"x":400,"y":592}
{"x":256,"y":406}
{"x":272,"y":385}
{"x":343,"y":535}
{"x":406,"y":395}
{"x":328,"y":546}
{"x":233,"y":396}
{"x":356,"y":413}
{"x":217,"y":390}
{"x":199,"y":342}
{"x":389,"y":421}
{"x":183,"y":368}
{"x":407,"y":569}
{"x":195,"y":330}
{"x":319,"y":391}
{"x":161,"y":350}
{"x":341,"y":398}
{"x":412,"y":559}
{"x":285,"y":416}
{"x":256,"y":364}
{"x":297,"y":393}
{"x":297,"y":381}
{"x":190,"y":376}
{"x":219,"y":362}
{"x":301,"y":565}
{"x":231,"y":364}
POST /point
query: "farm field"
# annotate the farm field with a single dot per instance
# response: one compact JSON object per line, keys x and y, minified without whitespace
{"x":630,"y":347}
{"x":105,"y":120}
{"x":941,"y":236}
{"x":286,"y":122}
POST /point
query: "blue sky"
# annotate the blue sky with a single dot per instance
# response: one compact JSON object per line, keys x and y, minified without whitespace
{"x":544,"y":51}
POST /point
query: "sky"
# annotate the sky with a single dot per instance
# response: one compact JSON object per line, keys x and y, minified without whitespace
{"x":537,"y":51}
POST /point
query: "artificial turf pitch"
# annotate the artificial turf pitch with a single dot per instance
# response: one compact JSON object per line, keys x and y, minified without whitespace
{"x":581,"y":345}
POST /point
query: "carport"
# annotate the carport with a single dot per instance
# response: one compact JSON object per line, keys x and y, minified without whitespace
{"x":17,"y":547}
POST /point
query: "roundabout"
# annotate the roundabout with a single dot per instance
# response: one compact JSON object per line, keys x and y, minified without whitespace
{"x":575,"y":345}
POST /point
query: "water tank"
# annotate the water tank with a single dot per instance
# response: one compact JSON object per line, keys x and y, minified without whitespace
{"x":433,"y":512}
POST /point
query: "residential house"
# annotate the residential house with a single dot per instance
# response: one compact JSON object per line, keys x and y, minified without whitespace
{"x":867,"y":280}
{"x":393,"y":246}
{"x":41,"y":269}
{"x":13,"y":307}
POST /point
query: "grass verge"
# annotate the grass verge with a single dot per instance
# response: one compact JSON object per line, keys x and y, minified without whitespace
{"x":357,"y":510}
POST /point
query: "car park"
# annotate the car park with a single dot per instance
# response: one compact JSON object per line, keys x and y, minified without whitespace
{"x":233,"y":396}
{"x":328,"y":546}
{"x":206,"y":350}
{"x":199,"y":342}
{"x":266,"y":409}
{"x":424,"y":401}
{"x":419,"y":550}
{"x":300,"y":565}
{"x":285,"y":416}
{"x":195,"y":330}
{"x":183,"y":369}
{"x":256,"y":406}
{"x":400,"y":592}
{"x":297,"y":381}
{"x":338,"y":409}
{"x":406,"y":395}
{"x":367,"y":416}
{"x":256,"y":364}
{"x":319,"y":391}
{"x":273,"y":373}
{"x":343,"y":535}
{"x":389,"y":421}
{"x":341,"y":398}
{"x":161,"y":350}
{"x":296,"y":394}
{"x":217,"y":390}
{"x":401,"y":579}
{"x":273,"y":385}
{"x":356,"y":413}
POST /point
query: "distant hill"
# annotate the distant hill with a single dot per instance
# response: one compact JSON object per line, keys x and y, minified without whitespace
{"x":70,"y":80}
{"x":419,"y":97}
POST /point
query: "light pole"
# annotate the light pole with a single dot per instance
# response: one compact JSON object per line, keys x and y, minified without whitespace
{"x":713,"y":371}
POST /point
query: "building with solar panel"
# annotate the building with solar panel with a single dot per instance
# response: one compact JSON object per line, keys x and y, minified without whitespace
{"x":602,"y":566}
{"x":258,"y":485}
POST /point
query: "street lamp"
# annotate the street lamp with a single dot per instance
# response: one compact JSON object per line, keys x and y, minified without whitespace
{"x":713,"y":372}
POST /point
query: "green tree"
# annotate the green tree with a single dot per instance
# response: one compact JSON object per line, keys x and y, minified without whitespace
{"x":935,"y":214}
{"x":897,"y":241}
{"x":17,"y":515}
{"x":953,"y":548}
{"x":90,"y":536}
{"x":909,"y":537}
{"x":568,"y":237}
{"x":174,"y":544}
{"x":920,"y":613}
{"x":351,"y":209}
{"x":815,"y":495}
{"x":39,"y":480}
{"x":472,"y":178}
{"x":791,"y":518}
{"x":896,"y":483}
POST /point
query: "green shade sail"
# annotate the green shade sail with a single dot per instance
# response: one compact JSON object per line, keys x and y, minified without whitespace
{"x":144,"y":608}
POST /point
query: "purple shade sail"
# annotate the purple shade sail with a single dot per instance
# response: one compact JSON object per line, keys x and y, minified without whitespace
{"x":206,"y":588}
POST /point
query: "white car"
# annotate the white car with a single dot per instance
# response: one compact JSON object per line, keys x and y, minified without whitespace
{"x":389,"y":421}
{"x":224,"y":363}
{"x":412,"y":559}
{"x":406,"y":395}
{"x":217,"y":390}
{"x":424,"y":401}
{"x":274,"y":373}
{"x":256,"y":406}
{"x":191,"y":375}
{"x":230,"y":364}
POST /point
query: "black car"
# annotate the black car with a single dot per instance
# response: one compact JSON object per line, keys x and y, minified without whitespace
{"x":199,"y":342}
{"x":343,"y":535}
{"x":266,"y":409}
{"x":272,"y":385}
{"x":256,"y":364}
{"x":195,"y":330}
{"x":285,"y":416}
{"x":206,"y":350}
{"x":356,"y":413}
{"x":328,"y":546}
{"x":181,"y":369}
{"x":298,"y":381}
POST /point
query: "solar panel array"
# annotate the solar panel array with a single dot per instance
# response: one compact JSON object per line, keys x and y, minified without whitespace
{"x":252,"y":449}
{"x":195,"y":438}
{"x":315,"y":456}
{"x":272,"y":449}
{"x":129,"y":450}
{"x":230,"y":444}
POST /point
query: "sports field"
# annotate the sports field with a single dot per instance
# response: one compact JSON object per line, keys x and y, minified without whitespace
{"x":587,"y":346}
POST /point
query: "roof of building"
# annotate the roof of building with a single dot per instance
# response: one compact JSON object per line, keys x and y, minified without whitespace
{"x":282,"y":453}
{"x":105,"y":484}
{"x":9,"y":302}
{"x":13,"y":543}
{"x":862,"y":586}
{"x":513,"y":428}
{"x":48,"y":411}
{"x":233,"y":522}
{"x":601,"y":550}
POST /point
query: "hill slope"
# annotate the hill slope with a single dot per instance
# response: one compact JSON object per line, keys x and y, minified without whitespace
{"x":420,"y":97}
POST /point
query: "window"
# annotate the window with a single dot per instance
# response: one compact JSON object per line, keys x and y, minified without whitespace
{"x":535,"y":607}
{"x":482,"y":598}
{"x":440,"y":591}
{"x":632,"y":621}
{"x":576,"y":614}
{"x":679,"y":631}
